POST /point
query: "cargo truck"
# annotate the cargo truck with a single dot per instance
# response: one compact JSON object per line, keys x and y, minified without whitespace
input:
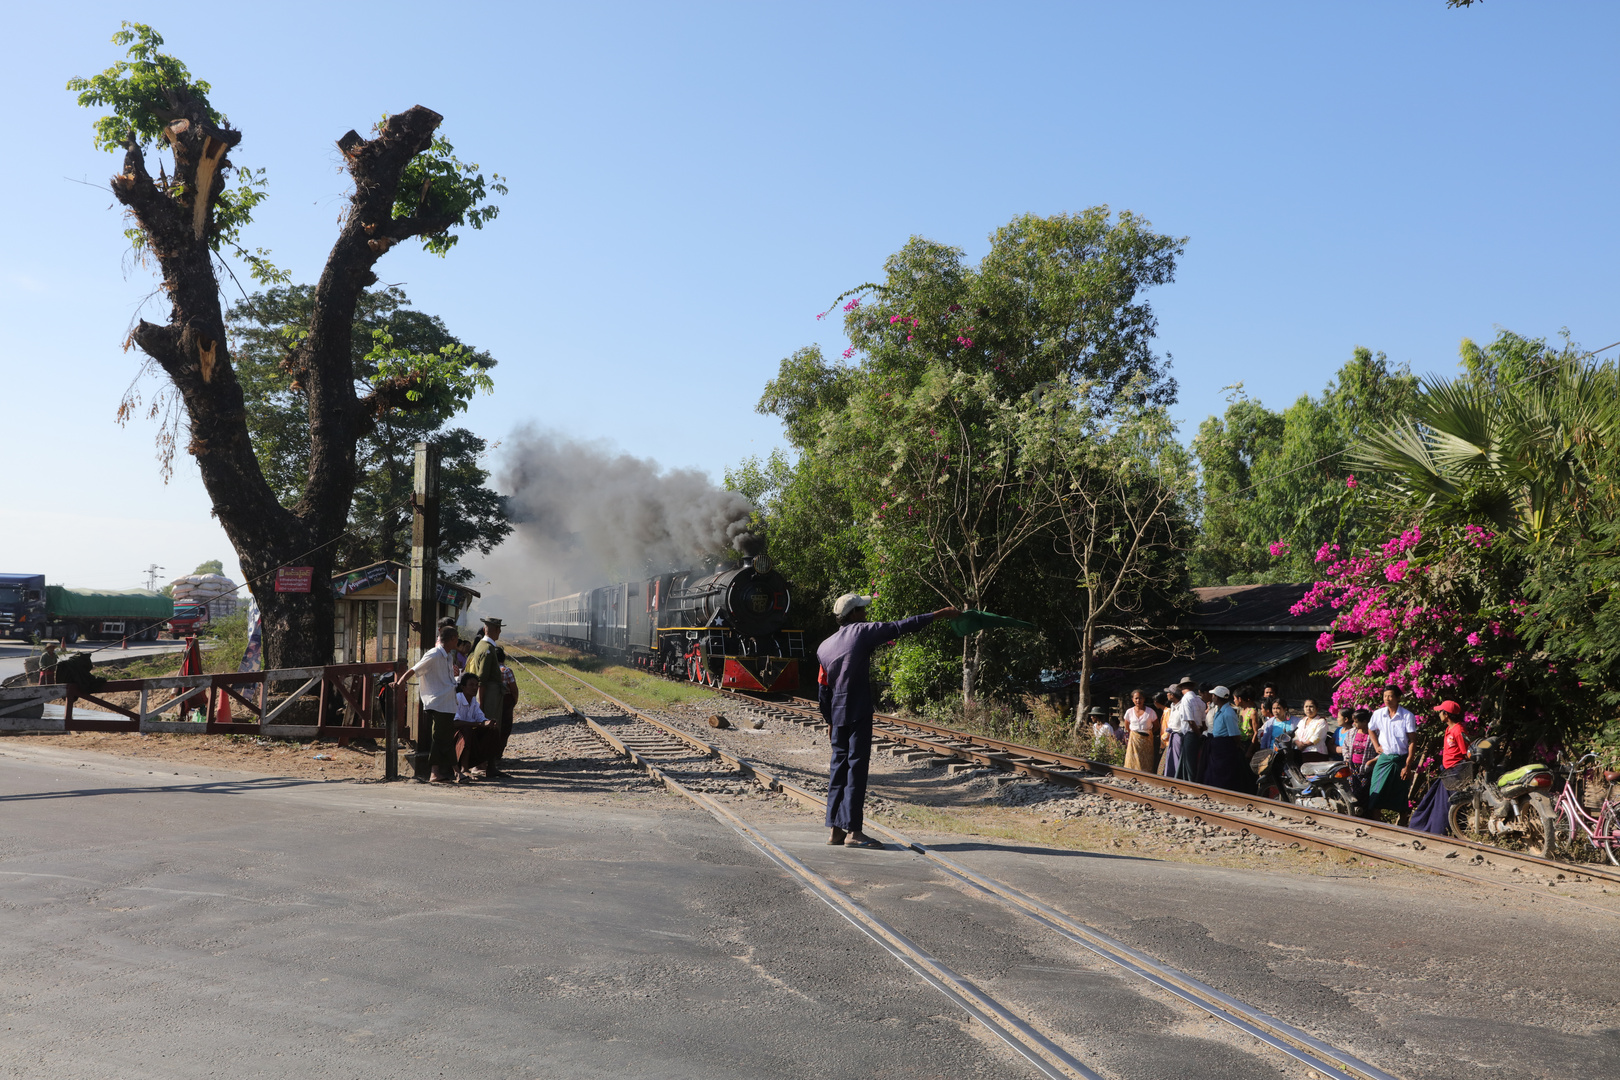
{"x":22,"y":605}
{"x":30,"y":608}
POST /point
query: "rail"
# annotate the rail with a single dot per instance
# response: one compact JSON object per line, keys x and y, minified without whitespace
{"x":1287,"y":824}
{"x":1320,"y":1057}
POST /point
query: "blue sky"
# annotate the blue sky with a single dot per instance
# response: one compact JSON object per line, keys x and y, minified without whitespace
{"x":690,"y":184}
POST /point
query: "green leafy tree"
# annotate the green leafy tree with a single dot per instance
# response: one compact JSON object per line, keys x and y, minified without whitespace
{"x":212,"y":566}
{"x":909,"y":477}
{"x":1119,"y":488}
{"x":265,"y":330}
{"x":1516,"y":442}
{"x":1274,"y":486}
{"x":187,"y":219}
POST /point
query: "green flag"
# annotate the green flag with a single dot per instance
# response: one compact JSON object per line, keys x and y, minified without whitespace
{"x":970,"y":621}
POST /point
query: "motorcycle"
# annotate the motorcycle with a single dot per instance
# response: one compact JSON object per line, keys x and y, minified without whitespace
{"x":1485,"y":803}
{"x":1280,"y":774}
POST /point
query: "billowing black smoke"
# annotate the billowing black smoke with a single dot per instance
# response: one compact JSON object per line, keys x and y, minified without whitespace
{"x":587,"y":515}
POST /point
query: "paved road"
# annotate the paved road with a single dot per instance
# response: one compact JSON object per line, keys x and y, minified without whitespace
{"x":214,"y":924}
{"x":13,"y":653}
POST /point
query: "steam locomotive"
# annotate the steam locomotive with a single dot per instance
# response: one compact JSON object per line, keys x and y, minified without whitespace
{"x":726,"y":629}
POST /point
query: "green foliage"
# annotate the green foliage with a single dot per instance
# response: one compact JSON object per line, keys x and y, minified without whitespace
{"x":212,"y":566}
{"x":440,"y":382}
{"x":437,"y":186}
{"x":389,"y":341}
{"x":913,"y":477}
{"x":1268,"y":477}
{"x":139,"y":91}
{"x":142,"y":93}
{"x":1517,"y":441}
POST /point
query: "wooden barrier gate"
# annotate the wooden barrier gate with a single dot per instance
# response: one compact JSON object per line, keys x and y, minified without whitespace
{"x":355,"y":685}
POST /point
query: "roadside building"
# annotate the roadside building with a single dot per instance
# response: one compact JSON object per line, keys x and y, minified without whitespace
{"x":370,"y":607}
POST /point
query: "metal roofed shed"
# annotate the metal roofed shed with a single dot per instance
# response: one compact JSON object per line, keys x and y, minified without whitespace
{"x":1235,"y":634}
{"x":370,"y":602}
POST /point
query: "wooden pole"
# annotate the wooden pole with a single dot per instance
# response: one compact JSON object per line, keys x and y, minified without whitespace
{"x":424,"y":608}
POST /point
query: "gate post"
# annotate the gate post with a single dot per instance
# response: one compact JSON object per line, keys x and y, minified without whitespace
{"x":424,"y":586}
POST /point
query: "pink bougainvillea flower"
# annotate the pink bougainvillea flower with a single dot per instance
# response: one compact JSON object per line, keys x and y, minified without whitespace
{"x":1325,"y":642}
{"x":1279,"y":547}
{"x":894,"y":319}
{"x":853,"y":304}
{"x":1350,"y":481}
{"x":1396,"y":571}
{"x":849,"y":352}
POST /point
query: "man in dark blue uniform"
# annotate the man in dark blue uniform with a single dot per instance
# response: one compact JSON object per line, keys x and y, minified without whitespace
{"x":845,"y":694}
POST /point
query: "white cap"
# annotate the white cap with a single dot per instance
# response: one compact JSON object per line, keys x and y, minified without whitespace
{"x":1220,"y":692}
{"x":849,"y":602}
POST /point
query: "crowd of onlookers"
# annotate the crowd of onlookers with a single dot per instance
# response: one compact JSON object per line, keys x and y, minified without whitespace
{"x":468,"y":696}
{"x":1211,"y":734}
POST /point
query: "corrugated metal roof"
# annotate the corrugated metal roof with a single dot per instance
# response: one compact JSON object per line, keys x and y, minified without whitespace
{"x":1229,"y":607}
{"x":1232,"y":664}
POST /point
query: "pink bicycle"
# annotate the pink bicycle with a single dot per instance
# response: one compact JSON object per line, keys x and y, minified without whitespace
{"x":1571,"y":817}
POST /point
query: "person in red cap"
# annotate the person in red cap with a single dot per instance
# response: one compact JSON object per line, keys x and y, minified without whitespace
{"x":1454,"y":747}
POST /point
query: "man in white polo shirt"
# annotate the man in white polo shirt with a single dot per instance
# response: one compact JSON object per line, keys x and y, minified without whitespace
{"x":437,"y":690}
{"x":1392,"y":728}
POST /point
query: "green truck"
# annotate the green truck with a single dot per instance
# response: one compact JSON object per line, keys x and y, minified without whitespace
{"x":105,"y":614}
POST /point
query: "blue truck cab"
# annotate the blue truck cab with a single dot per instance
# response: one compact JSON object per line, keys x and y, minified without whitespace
{"x":22,"y":605}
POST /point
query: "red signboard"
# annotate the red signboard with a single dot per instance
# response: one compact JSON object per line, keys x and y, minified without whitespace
{"x":295,"y":578}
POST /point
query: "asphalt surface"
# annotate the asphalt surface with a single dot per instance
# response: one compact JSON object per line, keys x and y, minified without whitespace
{"x":14,"y":653}
{"x":213,"y":924}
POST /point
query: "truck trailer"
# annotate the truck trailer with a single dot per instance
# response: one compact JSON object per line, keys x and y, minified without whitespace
{"x":29,"y":608}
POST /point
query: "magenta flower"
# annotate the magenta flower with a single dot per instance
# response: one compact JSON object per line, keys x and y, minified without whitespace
{"x":849,"y":352}
{"x":1279,"y":547}
{"x":1473,"y":639}
{"x":1350,"y":481}
{"x":1325,"y":642}
{"x":853,"y":304}
{"x":894,"y":319}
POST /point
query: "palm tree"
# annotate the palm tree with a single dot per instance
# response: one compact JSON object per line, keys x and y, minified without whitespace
{"x":1525,"y":454}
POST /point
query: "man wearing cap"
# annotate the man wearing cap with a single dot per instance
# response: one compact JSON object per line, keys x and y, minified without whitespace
{"x":1454,"y":746}
{"x":845,"y":695}
{"x":1227,"y":759}
{"x":485,"y":662}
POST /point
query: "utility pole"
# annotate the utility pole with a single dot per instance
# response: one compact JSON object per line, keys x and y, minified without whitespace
{"x":424,"y":610}
{"x":152,"y":576}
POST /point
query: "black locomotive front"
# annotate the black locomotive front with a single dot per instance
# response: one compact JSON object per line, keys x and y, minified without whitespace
{"x":726,"y":629}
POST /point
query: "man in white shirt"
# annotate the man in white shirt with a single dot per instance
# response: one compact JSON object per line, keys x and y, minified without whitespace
{"x":437,"y":689}
{"x":1392,"y":728}
{"x":1193,"y":710}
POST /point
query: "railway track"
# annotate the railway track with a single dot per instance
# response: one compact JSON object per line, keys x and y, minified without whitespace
{"x":1324,"y":831}
{"x":666,"y":752}
{"x":1482,"y":865}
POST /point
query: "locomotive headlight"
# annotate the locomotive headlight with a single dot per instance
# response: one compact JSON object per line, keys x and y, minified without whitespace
{"x":762,"y":564}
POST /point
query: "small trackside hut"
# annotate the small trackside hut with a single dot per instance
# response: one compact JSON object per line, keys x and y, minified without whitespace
{"x":725,"y":629}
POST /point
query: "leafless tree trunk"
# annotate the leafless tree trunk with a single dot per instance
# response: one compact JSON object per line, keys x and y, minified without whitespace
{"x":176,"y":218}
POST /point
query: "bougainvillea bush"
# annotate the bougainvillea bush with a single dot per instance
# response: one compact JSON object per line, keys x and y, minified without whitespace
{"x":1437,"y":612}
